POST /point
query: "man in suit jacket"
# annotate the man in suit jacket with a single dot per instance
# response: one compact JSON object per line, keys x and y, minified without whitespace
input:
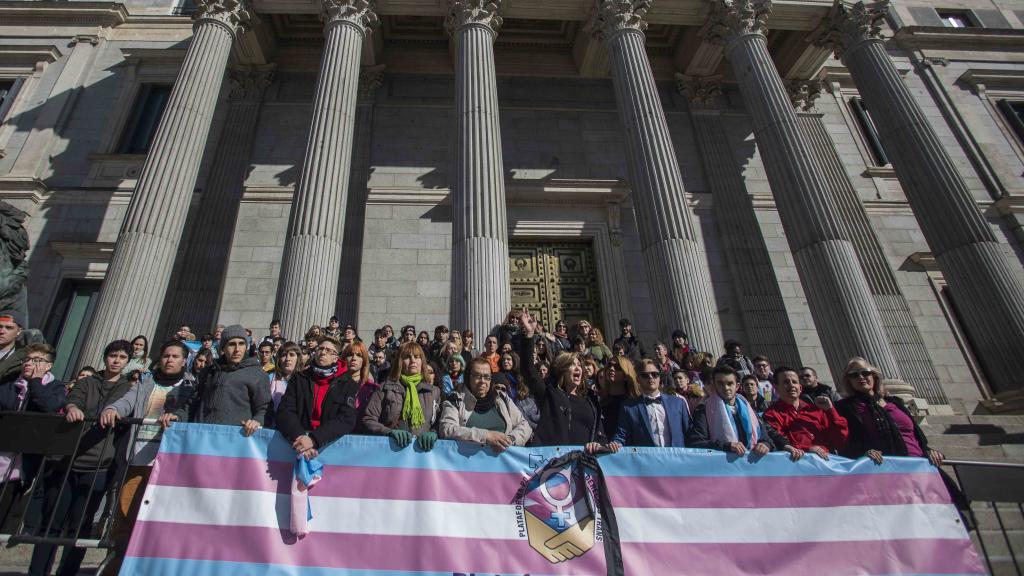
{"x":652,"y":418}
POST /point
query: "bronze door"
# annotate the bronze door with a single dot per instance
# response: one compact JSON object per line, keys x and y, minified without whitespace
{"x":555,"y":281}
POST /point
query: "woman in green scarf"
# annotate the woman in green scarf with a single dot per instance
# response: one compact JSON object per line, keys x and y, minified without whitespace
{"x":406,"y":405}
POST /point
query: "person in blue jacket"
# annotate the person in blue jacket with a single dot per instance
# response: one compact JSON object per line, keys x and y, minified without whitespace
{"x":652,"y":418}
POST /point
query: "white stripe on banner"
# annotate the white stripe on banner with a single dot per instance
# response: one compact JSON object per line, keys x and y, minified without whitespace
{"x":213,"y":506}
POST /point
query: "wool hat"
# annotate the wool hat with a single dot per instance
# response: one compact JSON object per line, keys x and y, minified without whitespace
{"x":231,"y":332}
{"x":16,"y":315}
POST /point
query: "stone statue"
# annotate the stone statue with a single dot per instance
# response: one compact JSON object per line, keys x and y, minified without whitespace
{"x":13,"y":259}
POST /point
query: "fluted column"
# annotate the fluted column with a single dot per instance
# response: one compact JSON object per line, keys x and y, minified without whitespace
{"x":845,"y":314}
{"x":904,"y":336}
{"x":140,"y":269}
{"x":989,"y":292}
{"x":308,"y":287}
{"x":480,"y":291}
{"x":677,"y":273}
{"x":204,"y":260}
{"x":753,"y":277}
{"x":355,"y":221}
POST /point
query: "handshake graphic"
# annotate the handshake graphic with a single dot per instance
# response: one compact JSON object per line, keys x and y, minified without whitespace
{"x":559,"y":523}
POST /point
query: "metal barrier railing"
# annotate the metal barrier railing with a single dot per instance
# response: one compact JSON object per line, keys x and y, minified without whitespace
{"x":44,"y":504}
{"x":991,"y":484}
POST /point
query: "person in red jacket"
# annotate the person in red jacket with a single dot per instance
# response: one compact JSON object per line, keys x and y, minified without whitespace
{"x":815,"y":428}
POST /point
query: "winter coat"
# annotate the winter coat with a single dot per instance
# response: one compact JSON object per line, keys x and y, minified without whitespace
{"x":808,"y":426}
{"x":384,"y":412}
{"x":133,"y":403}
{"x":91,"y":395}
{"x":229,"y":394}
{"x":635,"y":424}
{"x":457,"y":409}
{"x":337,"y":413}
{"x":555,"y":410}
{"x":857,"y":443}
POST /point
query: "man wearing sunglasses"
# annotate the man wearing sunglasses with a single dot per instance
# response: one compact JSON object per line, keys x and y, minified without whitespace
{"x":651,"y":418}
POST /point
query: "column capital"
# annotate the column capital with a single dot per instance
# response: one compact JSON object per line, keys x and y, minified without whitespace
{"x":803,"y":93}
{"x":848,"y":26}
{"x":732,"y":19}
{"x":462,"y":13}
{"x":247,"y":83}
{"x":610,"y":17}
{"x":232,"y":14}
{"x":702,"y":92}
{"x":357,"y":13}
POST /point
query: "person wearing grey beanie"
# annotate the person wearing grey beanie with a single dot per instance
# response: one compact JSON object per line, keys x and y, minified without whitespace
{"x":230,"y":391}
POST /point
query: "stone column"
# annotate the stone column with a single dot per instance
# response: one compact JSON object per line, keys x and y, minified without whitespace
{"x":904,"y":336}
{"x":308,"y":288}
{"x":989,"y":291}
{"x":677,"y":272}
{"x":352,"y":244}
{"x":753,"y":277}
{"x":480,"y":291}
{"x":140,"y":269}
{"x":845,"y":314}
{"x":196,"y":301}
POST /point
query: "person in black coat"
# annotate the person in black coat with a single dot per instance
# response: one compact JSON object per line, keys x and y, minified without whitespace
{"x":570,"y":414}
{"x":319,"y":405}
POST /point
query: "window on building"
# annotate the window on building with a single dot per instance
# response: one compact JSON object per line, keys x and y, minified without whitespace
{"x":867,"y":128}
{"x":1013,"y":111}
{"x":68,"y":320}
{"x":7,"y":92}
{"x":956,"y":19}
{"x":144,"y":119}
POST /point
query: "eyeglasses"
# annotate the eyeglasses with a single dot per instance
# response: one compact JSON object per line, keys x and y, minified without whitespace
{"x":484,"y":377}
{"x":37,"y":361}
{"x":326,"y":351}
{"x":650,"y":375}
{"x":860,"y":374}
{"x":761,"y":365}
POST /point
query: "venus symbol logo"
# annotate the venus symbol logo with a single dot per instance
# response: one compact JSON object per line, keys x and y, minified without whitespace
{"x":559,"y":523}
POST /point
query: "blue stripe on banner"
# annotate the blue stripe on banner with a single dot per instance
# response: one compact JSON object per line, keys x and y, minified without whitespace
{"x":175,"y":567}
{"x":379,"y":451}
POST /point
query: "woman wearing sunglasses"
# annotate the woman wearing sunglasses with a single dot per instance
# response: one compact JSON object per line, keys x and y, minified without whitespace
{"x":880,"y":424}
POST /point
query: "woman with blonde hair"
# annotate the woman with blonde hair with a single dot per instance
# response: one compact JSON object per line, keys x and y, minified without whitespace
{"x":569,"y":413}
{"x":598,"y":349}
{"x":879,"y":424}
{"x":407,"y":403}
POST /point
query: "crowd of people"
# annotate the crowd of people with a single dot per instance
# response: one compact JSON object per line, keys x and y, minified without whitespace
{"x":526,"y":386}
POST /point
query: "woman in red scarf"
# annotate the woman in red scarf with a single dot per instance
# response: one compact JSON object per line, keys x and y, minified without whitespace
{"x":319,"y":405}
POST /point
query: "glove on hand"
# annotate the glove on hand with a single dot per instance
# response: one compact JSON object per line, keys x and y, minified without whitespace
{"x":426,"y":441}
{"x":401,"y":437}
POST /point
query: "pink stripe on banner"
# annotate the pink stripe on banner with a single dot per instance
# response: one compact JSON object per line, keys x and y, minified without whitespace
{"x":777,"y":491}
{"x":500,"y":488}
{"x":931,"y":556}
{"x":351,"y":551}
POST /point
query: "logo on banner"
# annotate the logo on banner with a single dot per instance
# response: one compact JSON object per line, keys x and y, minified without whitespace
{"x":556,"y":514}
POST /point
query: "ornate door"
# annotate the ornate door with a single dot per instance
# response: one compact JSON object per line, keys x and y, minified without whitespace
{"x":555,"y":281}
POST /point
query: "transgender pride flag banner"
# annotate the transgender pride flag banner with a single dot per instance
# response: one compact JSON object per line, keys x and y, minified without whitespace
{"x":220,"y":503}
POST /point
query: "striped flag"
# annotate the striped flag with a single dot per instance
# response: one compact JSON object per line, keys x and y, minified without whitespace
{"x":219,"y":503}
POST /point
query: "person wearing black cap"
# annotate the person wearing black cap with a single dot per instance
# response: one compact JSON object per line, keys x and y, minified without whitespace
{"x":333,"y":328}
{"x":629,"y":342}
{"x":232,"y":391}
{"x":11,"y":357}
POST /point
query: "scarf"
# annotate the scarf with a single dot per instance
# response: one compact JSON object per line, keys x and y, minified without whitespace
{"x":722,"y":427}
{"x":167,"y":379}
{"x":325,"y":373}
{"x":486,"y":404}
{"x":412,"y":412}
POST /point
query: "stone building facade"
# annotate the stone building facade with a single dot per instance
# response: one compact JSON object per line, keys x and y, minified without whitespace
{"x":816,"y":180}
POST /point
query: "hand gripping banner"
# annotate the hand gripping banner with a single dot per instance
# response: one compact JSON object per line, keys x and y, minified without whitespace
{"x":219,"y":503}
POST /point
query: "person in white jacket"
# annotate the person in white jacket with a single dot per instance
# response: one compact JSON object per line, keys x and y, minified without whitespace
{"x":483,"y":414}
